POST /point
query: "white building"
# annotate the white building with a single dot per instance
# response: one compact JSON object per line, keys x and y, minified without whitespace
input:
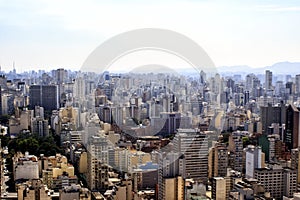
{"x":25,"y":167}
{"x":253,"y":160}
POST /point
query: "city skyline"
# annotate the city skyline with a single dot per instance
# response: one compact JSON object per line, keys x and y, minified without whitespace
{"x":140,"y":100}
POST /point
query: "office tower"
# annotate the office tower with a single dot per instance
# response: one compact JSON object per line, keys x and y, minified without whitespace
{"x":291,"y":135}
{"x":3,"y":81}
{"x":172,"y":122}
{"x":194,"y":146}
{"x":105,"y":113}
{"x":1,"y":168}
{"x":218,"y":188}
{"x":60,"y":75}
{"x":277,"y":181}
{"x":174,"y":188}
{"x":236,"y":151}
{"x":250,"y":82}
{"x":268,"y":80}
{"x":7,"y":104}
{"x":39,"y":112}
{"x":279,"y":88}
{"x":230,"y":84}
{"x":40,"y":127}
{"x":246,"y":97}
{"x":167,"y":123}
{"x":202,"y":77}
{"x":297,"y":85}
{"x":79,"y":87}
{"x":170,"y":180}
{"x":253,"y":160}
{"x":290,"y":88}
{"x":43,"y":95}
{"x":98,"y":168}
{"x":290,"y":182}
{"x":295,"y":164}
{"x":295,"y":155}
{"x":272,"y":114}
{"x":107,"y":89}
{"x":218,"y":161}
{"x":0,"y":100}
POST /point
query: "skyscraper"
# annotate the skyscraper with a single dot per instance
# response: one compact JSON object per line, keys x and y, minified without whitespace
{"x":218,"y":188}
{"x":272,"y":114}
{"x":297,"y":84}
{"x":277,"y":180}
{"x":170,"y":180}
{"x":43,"y":95}
{"x":236,"y":150}
{"x":0,"y":101}
{"x":268,"y":80}
{"x":194,"y":146}
{"x":40,"y":127}
{"x":218,"y":161}
{"x":291,"y":135}
{"x":253,"y":160}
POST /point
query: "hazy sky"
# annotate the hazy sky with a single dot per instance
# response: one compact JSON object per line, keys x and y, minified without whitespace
{"x":50,"y":34}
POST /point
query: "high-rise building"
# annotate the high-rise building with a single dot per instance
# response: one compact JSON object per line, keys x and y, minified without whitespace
{"x":295,"y":164}
{"x":174,"y":188}
{"x":194,"y":146}
{"x":297,"y":84}
{"x":1,"y":167}
{"x":40,"y":127}
{"x":60,"y":75}
{"x":218,"y":188}
{"x":218,"y":161}
{"x":44,"y":95}
{"x":268,"y":80}
{"x":249,"y":82}
{"x":236,"y":150}
{"x":98,"y":168}
{"x":277,"y":180}
{"x":7,"y":103}
{"x":170,"y":180}
{"x":292,"y":131}
{"x":290,"y":88}
{"x":253,"y":160}
{"x":25,"y":167}
{"x":202,"y":77}
{"x":272,"y":114}
{"x":0,"y":100}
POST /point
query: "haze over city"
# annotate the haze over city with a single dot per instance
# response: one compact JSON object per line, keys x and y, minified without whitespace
{"x":158,"y":100}
{"x":51,"y":34}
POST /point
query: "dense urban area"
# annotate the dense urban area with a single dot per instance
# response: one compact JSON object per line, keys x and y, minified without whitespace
{"x":82,"y":135}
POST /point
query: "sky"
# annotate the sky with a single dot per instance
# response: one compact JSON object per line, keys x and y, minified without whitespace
{"x":42,"y":34}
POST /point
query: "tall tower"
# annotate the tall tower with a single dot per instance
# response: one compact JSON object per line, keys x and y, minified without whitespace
{"x":236,"y":150}
{"x":253,"y":160}
{"x":0,"y":100}
{"x":170,"y":180}
{"x":44,"y":95}
{"x":194,"y":146}
{"x":268,"y":80}
{"x":292,"y":131}
{"x":297,"y":84}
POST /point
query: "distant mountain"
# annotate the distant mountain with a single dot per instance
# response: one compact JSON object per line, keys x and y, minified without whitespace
{"x":285,"y":68}
{"x":292,"y":68}
{"x":239,"y":68}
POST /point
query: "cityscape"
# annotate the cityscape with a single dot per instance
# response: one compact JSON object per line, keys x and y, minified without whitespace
{"x":75,"y":135}
{"x":149,"y":100}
